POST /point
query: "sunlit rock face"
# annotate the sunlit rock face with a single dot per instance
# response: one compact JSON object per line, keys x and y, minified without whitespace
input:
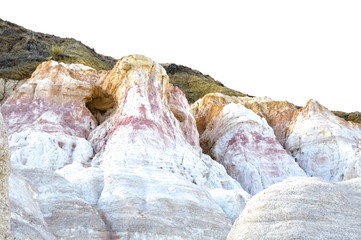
{"x":155,"y":176}
{"x":278,"y":115}
{"x":302,"y":208}
{"x":243,"y":142}
{"x":48,"y":123}
{"x":117,"y":153}
{"x":324,"y":145}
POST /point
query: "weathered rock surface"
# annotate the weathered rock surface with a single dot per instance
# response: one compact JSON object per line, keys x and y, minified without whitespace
{"x":325,"y":145}
{"x":302,"y":208}
{"x":4,"y":183}
{"x":153,"y":168}
{"x":7,"y":88}
{"x":243,"y":142}
{"x":278,"y":114}
{"x":27,"y":220}
{"x":118,"y":153}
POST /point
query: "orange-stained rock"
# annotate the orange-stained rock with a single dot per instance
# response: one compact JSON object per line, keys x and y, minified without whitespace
{"x":117,"y":153}
{"x":243,"y":142}
{"x":278,"y":115}
{"x":53,"y":100}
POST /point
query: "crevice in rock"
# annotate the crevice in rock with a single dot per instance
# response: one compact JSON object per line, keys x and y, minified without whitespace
{"x":101,"y":104}
{"x":110,"y":234}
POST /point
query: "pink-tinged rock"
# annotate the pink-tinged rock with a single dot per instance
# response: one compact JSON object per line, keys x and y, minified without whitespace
{"x":243,"y":142}
{"x":325,"y":145}
{"x":47,"y":117}
{"x":148,"y":178}
{"x":278,"y":115}
{"x":53,"y":100}
{"x":48,"y":120}
{"x":156,"y":180}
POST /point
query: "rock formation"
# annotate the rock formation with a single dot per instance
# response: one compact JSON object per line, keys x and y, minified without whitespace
{"x":153,"y":167}
{"x":278,"y":114}
{"x":302,"y":208}
{"x":324,"y":145}
{"x":4,"y":176}
{"x":243,"y":142}
{"x":118,"y":153}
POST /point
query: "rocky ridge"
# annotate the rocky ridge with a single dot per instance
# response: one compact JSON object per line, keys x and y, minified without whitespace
{"x":119,"y":150}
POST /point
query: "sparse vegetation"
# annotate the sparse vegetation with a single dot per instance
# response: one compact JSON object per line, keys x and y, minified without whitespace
{"x":56,"y":52}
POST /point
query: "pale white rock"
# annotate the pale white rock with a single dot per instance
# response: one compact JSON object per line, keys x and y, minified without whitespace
{"x":230,"y":201}
{"x":243,"y":142}
{"x":66,"y":213}
{"x":89,"y":180}
{"x":302,"y":208}
{"x":48,"y":151}
{"x":325,"y":145}
{"x":27,"y":221}
{"x":156,"y":180}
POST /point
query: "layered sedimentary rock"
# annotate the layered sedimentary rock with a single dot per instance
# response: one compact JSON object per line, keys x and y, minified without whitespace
{"x":48,"y":122}
{"x":302,"y":208}
{"x":278,"y":115}
{"x":243,"y":142}
{"x":324,"y":145}
{"x":154,"y":171}
{"x":4,"y":183}
{"x":27,"y":220}
{"x":118,"y":153}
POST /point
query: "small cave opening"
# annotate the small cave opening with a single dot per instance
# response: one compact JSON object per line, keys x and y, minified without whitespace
{"x":101,"y":105}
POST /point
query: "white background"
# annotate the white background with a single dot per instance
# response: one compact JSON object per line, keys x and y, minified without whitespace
{"x":287,"y":50}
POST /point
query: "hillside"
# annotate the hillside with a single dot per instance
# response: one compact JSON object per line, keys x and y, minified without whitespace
{"x":22,"y":50}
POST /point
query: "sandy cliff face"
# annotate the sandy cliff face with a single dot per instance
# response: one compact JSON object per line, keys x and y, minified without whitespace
{"x":243,"y":142}
{"x":117,"y":153}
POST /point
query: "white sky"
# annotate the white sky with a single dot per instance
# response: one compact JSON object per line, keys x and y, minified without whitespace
{"x":287,"y":50}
